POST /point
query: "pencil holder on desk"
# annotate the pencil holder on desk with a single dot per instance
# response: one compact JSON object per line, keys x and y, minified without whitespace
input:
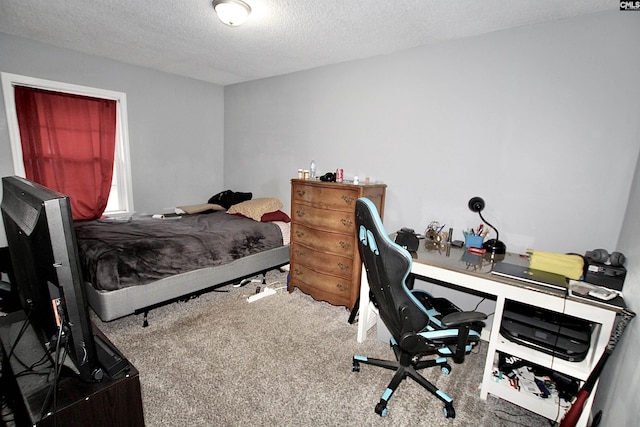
{"x":473,"y":241}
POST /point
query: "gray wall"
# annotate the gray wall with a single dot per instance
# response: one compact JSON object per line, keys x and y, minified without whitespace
{"x":175,"y":124}
{"x":620,"y":380}
{"x":540,"y":121}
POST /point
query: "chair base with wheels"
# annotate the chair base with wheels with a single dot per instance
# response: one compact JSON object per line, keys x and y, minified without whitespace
{"x":408,"y":366}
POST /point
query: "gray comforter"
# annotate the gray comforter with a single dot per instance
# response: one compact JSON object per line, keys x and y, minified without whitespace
{"x":115,"y":254}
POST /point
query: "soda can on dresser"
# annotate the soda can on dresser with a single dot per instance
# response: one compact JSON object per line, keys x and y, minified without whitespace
{"x":339,"y":175}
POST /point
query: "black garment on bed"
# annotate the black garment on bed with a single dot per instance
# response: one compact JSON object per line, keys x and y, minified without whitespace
{"x":116,"y":255}
{"x":228,"y":198}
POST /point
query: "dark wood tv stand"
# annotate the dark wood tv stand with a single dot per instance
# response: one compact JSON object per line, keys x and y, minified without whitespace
{"x":111,"y":402}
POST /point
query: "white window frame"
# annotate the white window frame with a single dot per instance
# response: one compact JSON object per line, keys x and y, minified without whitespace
{"x":121,"y":159}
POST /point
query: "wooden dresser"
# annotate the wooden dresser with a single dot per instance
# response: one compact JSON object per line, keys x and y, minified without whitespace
{"x":324,"y":259}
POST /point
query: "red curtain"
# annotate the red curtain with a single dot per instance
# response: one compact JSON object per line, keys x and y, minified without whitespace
{"x":68,"y":144}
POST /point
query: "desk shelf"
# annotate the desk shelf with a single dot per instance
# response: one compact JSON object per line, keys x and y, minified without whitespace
{"x":547,"y":408}
{"x":579,"y":370}
{"x":552,"y":407}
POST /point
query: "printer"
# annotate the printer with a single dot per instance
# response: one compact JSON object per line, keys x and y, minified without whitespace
{"x":558,"y":334}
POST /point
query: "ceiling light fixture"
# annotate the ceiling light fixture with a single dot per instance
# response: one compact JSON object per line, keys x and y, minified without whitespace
{"x":232,"y":12}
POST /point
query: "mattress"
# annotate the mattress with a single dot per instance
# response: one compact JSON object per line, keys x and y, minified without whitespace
{"x":134,"y":265}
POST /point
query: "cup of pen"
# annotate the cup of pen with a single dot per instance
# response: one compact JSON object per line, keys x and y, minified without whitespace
{"x":472,"y":240}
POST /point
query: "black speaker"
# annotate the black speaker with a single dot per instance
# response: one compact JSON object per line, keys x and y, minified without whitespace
{"x":407,"y":239}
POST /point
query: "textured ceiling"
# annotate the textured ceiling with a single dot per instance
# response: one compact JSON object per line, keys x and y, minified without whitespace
{"x":280,"y":36}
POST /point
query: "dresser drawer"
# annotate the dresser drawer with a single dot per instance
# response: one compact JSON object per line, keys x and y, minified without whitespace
{"x":322,"y":261}
{"x":336,"y":290}
{"x":321,"y":241}
{"x":328,"y":196}
{"x":335,"y":221}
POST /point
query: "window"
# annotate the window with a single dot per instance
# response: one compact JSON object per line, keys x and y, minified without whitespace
{"x":121,"y":196}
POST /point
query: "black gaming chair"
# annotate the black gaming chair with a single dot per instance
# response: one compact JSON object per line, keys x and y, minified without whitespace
{"x":419,"y":324}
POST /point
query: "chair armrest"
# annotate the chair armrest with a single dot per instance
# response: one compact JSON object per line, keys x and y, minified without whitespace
{"x":462,"y":317}
{"x":463,"y":320}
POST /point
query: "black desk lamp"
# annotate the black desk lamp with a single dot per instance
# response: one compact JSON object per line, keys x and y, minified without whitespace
{"x":495,"y":246}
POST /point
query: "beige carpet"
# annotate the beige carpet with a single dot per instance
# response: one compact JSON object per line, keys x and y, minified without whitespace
{"x":284,"y":360}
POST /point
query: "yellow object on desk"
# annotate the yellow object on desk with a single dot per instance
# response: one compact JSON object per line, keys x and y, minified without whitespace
{"x":571,"y":266}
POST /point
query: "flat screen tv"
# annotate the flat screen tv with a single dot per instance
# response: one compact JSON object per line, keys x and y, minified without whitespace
{"x":44,"y":256}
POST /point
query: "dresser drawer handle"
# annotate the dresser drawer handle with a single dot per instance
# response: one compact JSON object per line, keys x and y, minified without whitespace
{"x":344,"y":245}
{"x":346,"y":222}
{"x":301,"y":192}
{"x":299,"y":233}
{"x":348,"y":199}
{"x":300,"y":213}
{"x":297,"y":271}
{"x":299,"y":253}
{"x":342,"y":287}
{"x":343,"y":266}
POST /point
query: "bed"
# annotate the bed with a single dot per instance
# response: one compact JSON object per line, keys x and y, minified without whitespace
{"x":136,"y":265}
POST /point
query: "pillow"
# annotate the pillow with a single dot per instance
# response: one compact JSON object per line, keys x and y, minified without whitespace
{"x":201,"y":208}
{"x":255,"y":208}
{"x":270,"y":216}
{"x":229,"y":198}
{"x":275,"y":216}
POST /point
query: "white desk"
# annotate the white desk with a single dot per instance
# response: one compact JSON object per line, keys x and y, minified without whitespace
{"x":459,"y":269}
